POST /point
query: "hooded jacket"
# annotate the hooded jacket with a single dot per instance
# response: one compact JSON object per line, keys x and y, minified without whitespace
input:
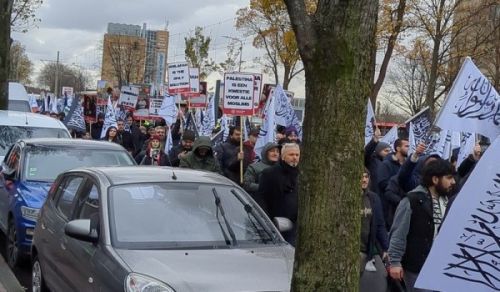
{"x":254,"y":170}
{"x":194,"y":161}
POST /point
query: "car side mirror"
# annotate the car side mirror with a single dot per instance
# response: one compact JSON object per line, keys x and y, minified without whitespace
{"x":283,"y":224}
{"x":80,"y":229}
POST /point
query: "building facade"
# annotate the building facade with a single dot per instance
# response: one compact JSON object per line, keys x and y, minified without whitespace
{"x":479,"y":36}
{"x":134,"y":55}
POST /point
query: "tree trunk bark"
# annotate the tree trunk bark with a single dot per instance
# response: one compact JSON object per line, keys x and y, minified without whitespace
{"x":336,"y":45}
{"x":431,"y":88}
{"x":286,"y":77}
{"x":5,"y":15}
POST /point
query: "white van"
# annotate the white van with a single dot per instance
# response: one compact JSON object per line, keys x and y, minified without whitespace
{"x":18,"y":98}
{"x":16,"y":125}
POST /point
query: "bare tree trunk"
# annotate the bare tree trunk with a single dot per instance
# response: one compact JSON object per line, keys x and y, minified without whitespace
{"x":286,"y":77}
{"x":5,"y":41}
{"x":388,"y":53}
{"x":431,"y":88}
{"x":336,"y":45}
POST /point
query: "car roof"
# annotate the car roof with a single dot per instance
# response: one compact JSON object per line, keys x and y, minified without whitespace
{"x":152,"y":174}
{"x":73,"y":143}
{"x":25,"y":119}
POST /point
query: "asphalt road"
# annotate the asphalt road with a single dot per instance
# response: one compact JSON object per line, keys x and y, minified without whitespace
{"x":23,"y":273}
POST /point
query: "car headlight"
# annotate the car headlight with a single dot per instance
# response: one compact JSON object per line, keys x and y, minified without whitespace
{"x":30,"y":213}
{"x":141,"y":283}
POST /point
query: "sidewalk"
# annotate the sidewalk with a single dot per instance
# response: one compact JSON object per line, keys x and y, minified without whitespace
{"x":8,"y":282}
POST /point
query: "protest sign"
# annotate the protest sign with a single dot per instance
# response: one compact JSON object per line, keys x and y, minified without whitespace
{"x":155,"y":106}
{"x":129,"y":96}
{"x":257,"y":87}
{"x":67,"y":91}
{"x":178,"y":78}
{"x":194,"y":81}
{"x":238,"y":94}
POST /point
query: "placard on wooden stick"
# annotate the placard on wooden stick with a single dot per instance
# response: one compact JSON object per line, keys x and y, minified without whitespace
{"x":238,"y":94}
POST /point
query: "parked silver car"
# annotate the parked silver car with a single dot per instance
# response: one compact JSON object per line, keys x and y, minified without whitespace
{"x":155,"y":229}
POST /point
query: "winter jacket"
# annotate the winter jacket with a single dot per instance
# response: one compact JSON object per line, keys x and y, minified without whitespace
{"x":390,"y":167}
{"x":409,"y":175}
{"x":194,"y":161}
{"x":227,"y":155}
{"x":377,"y":233}
{"x":374,"y":164}
{"x":174,"y":155}
{"x":279,"y":188}
{"x":252,"y":174}
{"x":390,"y":200}
{"x":126,"y":140}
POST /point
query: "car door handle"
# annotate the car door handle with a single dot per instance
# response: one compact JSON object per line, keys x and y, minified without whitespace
{"x":63,"y":244}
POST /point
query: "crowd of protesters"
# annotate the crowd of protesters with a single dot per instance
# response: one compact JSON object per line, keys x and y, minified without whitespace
{"x":405,"y":197}
{"x":405,"y":200}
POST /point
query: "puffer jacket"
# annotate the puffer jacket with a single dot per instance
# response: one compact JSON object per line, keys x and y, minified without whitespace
{"x":194,"y":161}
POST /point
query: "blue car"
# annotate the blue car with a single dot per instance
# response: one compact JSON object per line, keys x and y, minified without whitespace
{"x":28,"y":172}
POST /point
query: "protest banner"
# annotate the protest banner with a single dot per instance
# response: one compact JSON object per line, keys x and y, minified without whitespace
{"x":178,"y":78}
{"x":155,"y":106}
{"x":465,"y":254}
{"x":472,"y":104}
{"x":257,"y":87}
{"x":194,"y":81}
{"x":129,"y":96}
{"x":370,"y":123}
{"x":419,"y":127}
{"x":67,"y":91}
{"x":238,"y":94}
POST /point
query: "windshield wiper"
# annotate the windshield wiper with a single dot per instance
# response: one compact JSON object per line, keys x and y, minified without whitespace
{"x":218,"y":203}
{"x":250,"y":211}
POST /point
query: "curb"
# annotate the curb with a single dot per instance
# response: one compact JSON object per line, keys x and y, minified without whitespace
{"x":8,"y":282}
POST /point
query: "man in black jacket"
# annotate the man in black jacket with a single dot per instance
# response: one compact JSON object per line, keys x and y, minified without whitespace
{"x":182,"y":149}
{"x":124,"y":137}
{"x":417,"y":222}
{"x":230,"y":154}
{"x":278,"y":187}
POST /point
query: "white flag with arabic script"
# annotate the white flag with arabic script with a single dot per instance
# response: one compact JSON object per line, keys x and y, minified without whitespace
{"x":472,"y":105}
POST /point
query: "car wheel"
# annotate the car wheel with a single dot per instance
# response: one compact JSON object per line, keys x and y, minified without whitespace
{"x":37,"y":280}
{"x":12,"y":247}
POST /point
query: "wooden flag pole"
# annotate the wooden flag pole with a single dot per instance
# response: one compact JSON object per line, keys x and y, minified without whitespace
{"x":241,"y":149}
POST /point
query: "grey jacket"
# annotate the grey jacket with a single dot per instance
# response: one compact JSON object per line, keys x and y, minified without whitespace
{"x":400,"y":228}
{"x":252,"y":174}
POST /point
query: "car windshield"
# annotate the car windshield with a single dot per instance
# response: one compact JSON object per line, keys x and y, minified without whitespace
{"x":185,"y":215}
{"x":19,"y":105}
{"x":45,"y":163}
{"x":10,"y":134}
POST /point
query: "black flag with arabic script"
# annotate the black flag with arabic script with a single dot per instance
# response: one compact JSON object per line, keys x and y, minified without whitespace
{"x":75,"y":119}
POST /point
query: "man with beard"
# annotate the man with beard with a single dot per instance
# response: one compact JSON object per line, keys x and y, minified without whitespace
{"x":389,"y":168}
{"x":278,"y":187}
{"x":229,"y":155}
{"x":417,"y":222}
{"x":182,"y":149}
{"x":97,"y":127}
{"x":124,"y":137}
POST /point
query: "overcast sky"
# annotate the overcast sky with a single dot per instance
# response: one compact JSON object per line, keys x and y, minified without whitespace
{"x":76,"y":28}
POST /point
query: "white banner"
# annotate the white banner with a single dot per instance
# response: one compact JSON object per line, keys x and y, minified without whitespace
{"x":266,"y":133}
{"x":168,"y":111}
{"x":257,"y":88}
{"x":467,"y":143}
{"x":391,"y":137}
{"x":465,"y":255}
{"x":194,"y":79}
{"x":285,"y":114}
{"x":369,"y":123}
{"x":129,"y":96}
{"x":178,"y":78}
{"x":209,"y":118}
{"x":472,"y":105}
{"x":238,"y":94}
{"x":109,"y":119}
